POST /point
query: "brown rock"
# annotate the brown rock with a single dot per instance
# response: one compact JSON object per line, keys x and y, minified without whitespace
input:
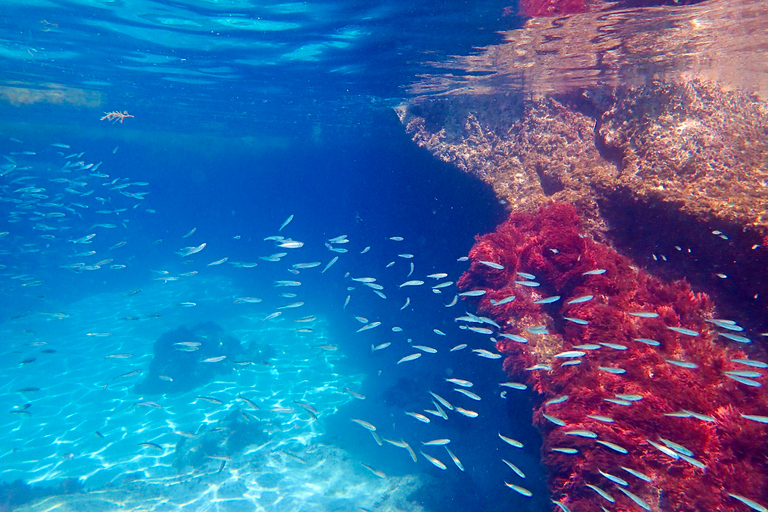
{"x":674,"y":174}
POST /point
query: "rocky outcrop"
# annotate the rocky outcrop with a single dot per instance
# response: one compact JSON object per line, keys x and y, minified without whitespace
{"x":674,"y":174}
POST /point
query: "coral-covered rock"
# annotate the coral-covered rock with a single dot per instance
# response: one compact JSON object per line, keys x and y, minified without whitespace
{"x":642,"y":365}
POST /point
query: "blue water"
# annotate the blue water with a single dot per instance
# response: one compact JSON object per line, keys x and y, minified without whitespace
{"x":244,"y":115}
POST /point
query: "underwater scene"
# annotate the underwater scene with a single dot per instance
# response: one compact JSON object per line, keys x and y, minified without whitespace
{"x":387,"y":257}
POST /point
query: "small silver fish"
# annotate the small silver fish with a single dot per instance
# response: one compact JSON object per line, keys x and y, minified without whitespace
{"x":371,"y":325}
{"x":468,"y":394}
{"x":485,"y":353}
{"x":514,"y":337}
{"x":510,"y":441}
{"x":611,"y":369}
{"x":460,"y":382}
{"x":648,"y":341}
{"x":602,"y":493}
{"x":410,"y":358}
{"x":552,"y":419}
{"x":287,"y":221}
{"x":505,"y":300}
{"x":434,"y":461}
{"x":514,"y":385}
{"x":465,"y":412}
{"x":454,"y":458}
{"x":521,"y":490}
{"x":687,"y":332}
{"x":579,"y":300}
{"x":636,"y":499}
{"x":642,"y":314}
{"x":637,"y":474}
{"x":514,"y":468}
{"x":570,"y":353}
{"x":578,"y":321}
{"x":734,"y":337}
{"x":365,"y":424}
{"x":682,"y":364}
{"x":418,"y":416}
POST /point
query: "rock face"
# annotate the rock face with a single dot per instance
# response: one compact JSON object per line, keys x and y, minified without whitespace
{"x":691,"y":144}
{"x":529,"y":152}
{"x":654,"y":170}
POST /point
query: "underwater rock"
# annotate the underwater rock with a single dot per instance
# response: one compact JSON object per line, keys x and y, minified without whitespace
{"x":638,"y":375}
{"x":220,"y":442}
{"x":529,"y":152}
{"x":655,"y":170}
{"x":17,"y":493}
{"x":692,"y":144}
{"x":179,"y":362}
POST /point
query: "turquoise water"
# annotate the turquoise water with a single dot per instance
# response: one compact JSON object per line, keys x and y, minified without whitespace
{"x":243,"y":115}
{"x":98,"y":273}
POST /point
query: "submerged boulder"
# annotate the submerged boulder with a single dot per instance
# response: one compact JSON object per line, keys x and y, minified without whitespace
{"x":186,"y":358}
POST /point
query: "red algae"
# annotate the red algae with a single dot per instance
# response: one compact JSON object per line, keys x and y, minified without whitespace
{"x":666,"y":387}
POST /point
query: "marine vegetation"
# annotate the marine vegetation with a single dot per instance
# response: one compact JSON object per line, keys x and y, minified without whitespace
{"x":643,"y":397}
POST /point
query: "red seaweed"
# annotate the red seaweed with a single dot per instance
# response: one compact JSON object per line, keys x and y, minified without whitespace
{"x":550,"y":245}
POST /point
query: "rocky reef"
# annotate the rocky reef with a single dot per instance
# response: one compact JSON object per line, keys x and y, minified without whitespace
{"x":691,"y":145}
{"x":643,"y":397}
{"x":652,"y":123}
{"x":673,"y":174}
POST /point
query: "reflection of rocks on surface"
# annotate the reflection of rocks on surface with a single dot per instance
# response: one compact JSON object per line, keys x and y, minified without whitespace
{"x":650,"y":169}
{"x":177,"y":363}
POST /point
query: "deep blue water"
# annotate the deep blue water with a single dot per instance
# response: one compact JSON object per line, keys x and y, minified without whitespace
{"x":245,"y":114}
